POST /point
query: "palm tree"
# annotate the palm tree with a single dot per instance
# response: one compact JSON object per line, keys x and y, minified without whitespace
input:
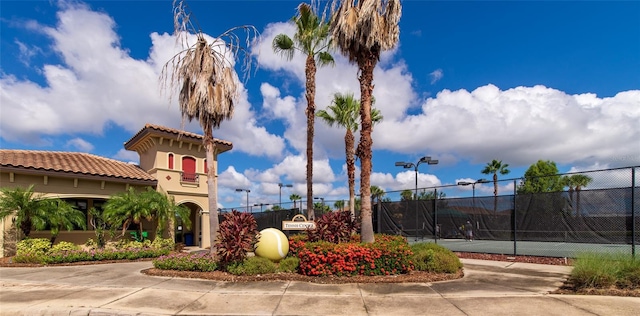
{"x":208,"y":86}
{"x":377,"y":193}
{"x":494,"y":167}
{"x":165,"y":211}
{"x":125,"y":208}
{"x":61,"y":214}
{"x":362,"y":29}
{"x":312,"y":39}
{"x":344,"y":112}
{"x":294,"y":197}
{"x":406,"y":195}
{"x":25,"y":205}
{"x":339,"y":205}
{"x":576,"y":182}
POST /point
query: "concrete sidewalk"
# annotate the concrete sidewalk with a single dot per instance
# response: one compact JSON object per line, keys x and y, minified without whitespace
{"x":488,"y":288}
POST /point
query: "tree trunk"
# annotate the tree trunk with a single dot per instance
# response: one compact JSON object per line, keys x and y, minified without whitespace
{"x":25,"y":226}
{"x":349,"y":142}
{"x":367,"y":63}
{"x":212,"y":188}
{"x":495,"y":194}
{"x":310,"y":72}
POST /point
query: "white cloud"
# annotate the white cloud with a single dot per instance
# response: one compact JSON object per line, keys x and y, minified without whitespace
{"x":80,"y":144}
{"x":127,"y":156}
{"x":103,"y":85}
{"x":521,"y":125}
{"x":436,"y":75}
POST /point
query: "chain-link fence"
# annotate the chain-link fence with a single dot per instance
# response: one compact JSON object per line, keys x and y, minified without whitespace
{"x":558,"y":215}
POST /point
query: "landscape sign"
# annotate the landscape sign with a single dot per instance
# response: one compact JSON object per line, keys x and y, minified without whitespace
{"x":298,"y":222}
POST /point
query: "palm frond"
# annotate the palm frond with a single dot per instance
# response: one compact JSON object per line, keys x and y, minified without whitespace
{"x":282,"y":44}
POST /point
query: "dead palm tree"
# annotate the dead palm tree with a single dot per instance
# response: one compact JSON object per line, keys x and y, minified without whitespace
{"x":362,"y":29}
{"x":345,"y":110}
{"x":208,"y":86}
{"x":312,"y":39}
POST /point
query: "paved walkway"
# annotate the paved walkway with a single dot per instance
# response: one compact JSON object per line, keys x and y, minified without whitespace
{"x":488,"y":288}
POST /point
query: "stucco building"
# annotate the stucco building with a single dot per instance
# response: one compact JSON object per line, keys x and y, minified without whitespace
{"x":171,"y":161}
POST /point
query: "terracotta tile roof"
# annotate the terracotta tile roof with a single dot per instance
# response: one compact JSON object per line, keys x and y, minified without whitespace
{"x":72,"y":163}
{"x":178,"y":133}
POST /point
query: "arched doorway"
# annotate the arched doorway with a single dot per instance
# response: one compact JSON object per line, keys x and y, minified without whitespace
{"x":189,"y":235}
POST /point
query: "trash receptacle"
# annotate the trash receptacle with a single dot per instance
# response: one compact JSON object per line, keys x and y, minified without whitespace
{"x":188,"y":239}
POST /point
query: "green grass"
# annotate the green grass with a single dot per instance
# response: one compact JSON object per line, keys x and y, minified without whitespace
{"x":596,"y":270}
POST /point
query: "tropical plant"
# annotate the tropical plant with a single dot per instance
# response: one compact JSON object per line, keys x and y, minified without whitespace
{"x":406,"y":195}
{"x":344,"y":110}
{"x":431,"y":195}
{"x":311,"y":39}
{"x":575,"y":183}
{"x":208,"y":86}
{"x":25,"y":205}
{"x":339,"y":205}
{"x":362,"y":29}
{"x":294,"y":197}
{"x":61,"y":215}
{"x":494,"y":167}
{"x":165,"y":210}
{"x":377,"y":193}
{"x":334,"y":227}
{"x":126,"y":208}
{"x":238,"y":235}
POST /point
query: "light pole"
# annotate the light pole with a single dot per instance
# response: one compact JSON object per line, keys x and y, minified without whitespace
{"x":473,"y":185}
{"x":261,"y":205}
{"x":286,"y":186}
{"x":408,"y":165}
{"x":473,"y":190}
{"x":246,"y":190}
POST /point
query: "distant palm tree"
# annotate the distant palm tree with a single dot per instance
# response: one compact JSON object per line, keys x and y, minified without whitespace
{"x":339,"y":205}
{"x":494,"y":167}
{"x":312,"y":39}
{"x":577,"y":182}
{"x":362,"y":29}
{"x":61,"y":215}
{"x":205,"y":76}
{"x":344,"y":111}
{"x":294,"y":197}
{"x":25,"y":205}
{"x":377,"y":193}
{"x":406,"y":195}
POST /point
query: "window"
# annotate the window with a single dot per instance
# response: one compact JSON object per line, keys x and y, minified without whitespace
{"x":206,"y":167}
{"x":81,"y":205}
{"x":170,"y":161}
{"x":189,"y":170}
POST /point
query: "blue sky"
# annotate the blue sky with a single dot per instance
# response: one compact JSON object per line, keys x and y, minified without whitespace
{"x":468,"y":82}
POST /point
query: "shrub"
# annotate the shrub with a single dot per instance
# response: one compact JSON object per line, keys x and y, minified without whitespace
{"x":186,"y":262}
{"x":435,"y":258}
{"x":388,"y":255}
{"x":64,"y":246}
{"x":605,"y":270}
{"x":163,"y":243}
{"x":237,"y":236}
{"x":252,"y":266}
{"x":289,"y":264}
{"x":32,"y":250}
{"x":296,"y":242}
{"x":334,"y":227}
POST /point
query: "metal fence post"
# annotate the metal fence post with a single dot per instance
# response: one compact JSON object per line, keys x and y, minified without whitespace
{"x":633,"y":212}
{"x":515,"y":222}
{"x":435,"y":218}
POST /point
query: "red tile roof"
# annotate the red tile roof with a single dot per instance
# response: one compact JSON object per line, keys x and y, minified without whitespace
{"x":148,"y":128}
{"x":72,"y":163}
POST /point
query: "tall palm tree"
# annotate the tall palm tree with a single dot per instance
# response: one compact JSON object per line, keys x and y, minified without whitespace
{"x":295,"y":197}
{"x":494,"y":167}
{"x":25,"y":205}
{"x":208,"y":87}
{"x":311,"y":39}
{"x":61,"y":215}
{"x":362,"y":29}
{"x":344,"y":112}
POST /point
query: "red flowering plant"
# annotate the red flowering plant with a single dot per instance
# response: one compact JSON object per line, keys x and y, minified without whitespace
{"x":388,"y":255}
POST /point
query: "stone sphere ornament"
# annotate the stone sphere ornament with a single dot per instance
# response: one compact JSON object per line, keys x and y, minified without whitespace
{"x":273,"y":244}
